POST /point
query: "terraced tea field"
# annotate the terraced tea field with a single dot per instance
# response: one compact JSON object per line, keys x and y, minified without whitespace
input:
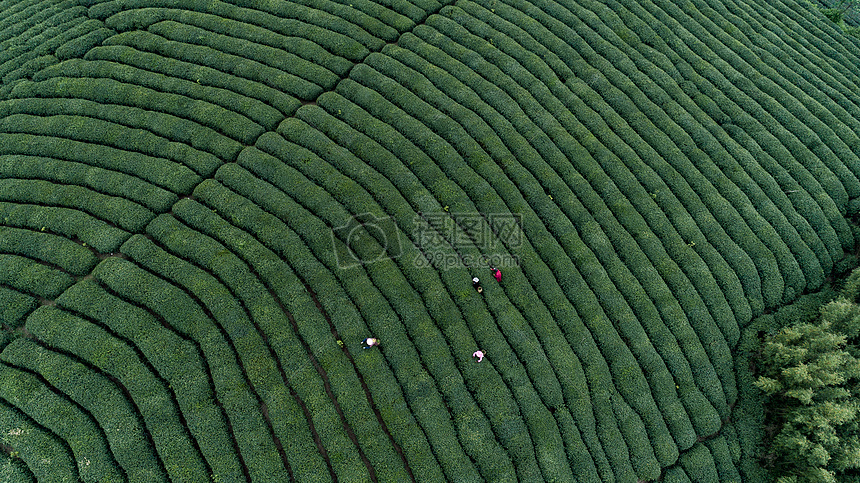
{"x":207,"y":206}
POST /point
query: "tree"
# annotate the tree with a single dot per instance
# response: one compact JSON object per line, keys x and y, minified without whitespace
{"x":812,"y":374}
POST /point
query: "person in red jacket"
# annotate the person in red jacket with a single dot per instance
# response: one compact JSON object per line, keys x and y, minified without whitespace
{"x":497,"y":273}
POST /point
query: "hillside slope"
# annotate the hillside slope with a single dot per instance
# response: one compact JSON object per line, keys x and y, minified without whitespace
{"x":207,"y":206}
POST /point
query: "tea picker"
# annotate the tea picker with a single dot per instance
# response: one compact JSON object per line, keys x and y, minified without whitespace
{"x":370,"y":342}
{"x":477,"y":284}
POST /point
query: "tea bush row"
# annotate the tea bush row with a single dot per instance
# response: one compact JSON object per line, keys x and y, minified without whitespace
{"x":105,"y":157}
{"x":30,"y":277}
{"x":182,"y":310}
{"x":830,"y":183}
{"x":102,"y":398}
{"x":101,"y":181}
{"x":47,"y":457}
{"x":764,"y":169}
{"x":326,"y":291}
{"x":172,"y":358}
{"x":724,"y":461}
{"x":15,"y":304}
{"x":300,"y":77}
{"x":539,"y":370}
{"x":175,"y":446}
{"x":308,"y":50}
{"x":52,"y":250}
{"x":255,"y":93}
{"x":110,"y":209}
{"x":67,"y":421}
{"x":621,"y":64}
{"x":797,"y":69}
{"x":654,"y":138}
{"x":71,"y":223}
{"x":113,"y":83}
{"x":584,"y":134}
{"x":793,"y":109}
{"x":372,"y":62}
{"x":334,"y":34}
{"x":34,"y":39}
{"x":482,"y":90}
{"x":170,"y":128}
{"x":95,"y":131}
{"x":306,"y":138}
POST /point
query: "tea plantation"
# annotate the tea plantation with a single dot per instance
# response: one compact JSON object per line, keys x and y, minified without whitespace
{"x":208,"y":206}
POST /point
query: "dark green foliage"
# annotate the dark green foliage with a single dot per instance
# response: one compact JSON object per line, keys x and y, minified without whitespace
{"x":181,"y":312}
{"x":164,"y":125}
{"x":140,"y":19}
{"x":89,"y":130}
{"x":14,"y":306}
{"x":811,"y":375}
{"x":176,"y":360}
{"x":115,"y":357}
{"x":47,"y":457}
{"x":55,"y":251}
{"x":79,"y":46}
{"x":102,"y":398}
{"x":115,"y":83}
{"x":30,"y":277}
{"x":127,"y":214}
{"x":99,"y":179}
{"x":75,"y":428}
{"x":71,"y":223}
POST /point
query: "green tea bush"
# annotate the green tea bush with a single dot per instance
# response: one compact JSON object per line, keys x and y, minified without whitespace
{"x":66,"y":420}
{"x":174,"y":358}
{"x":676,"y":474}
{"x":163,"y":125}
{"x":175,"y":177}
{"x":124,"y":431}
{"x":60,"y":252}
{"x":179,"y":310}
{"x":723,"y":460}
{"x":255,"y":357}
{"x":177,"y":449}
{"x":101,"y":180}
{"x":160,"y":40}
{"x":48,"y":458}
{"x":273,"y":234}
{"x":328,"y":21}
{"x":33,"y":278}
{"x":78,"y":47}
{"x":96,"y":233}
{"x":263,"y":263}
{"x":127,"y":214}
{"x":304,"y":79}
{"x":140,"y":19}
{"x":89,"y":130}
{"x":111,"y":82}
{"x":14,"y":306}
{"x":698,"y":463}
